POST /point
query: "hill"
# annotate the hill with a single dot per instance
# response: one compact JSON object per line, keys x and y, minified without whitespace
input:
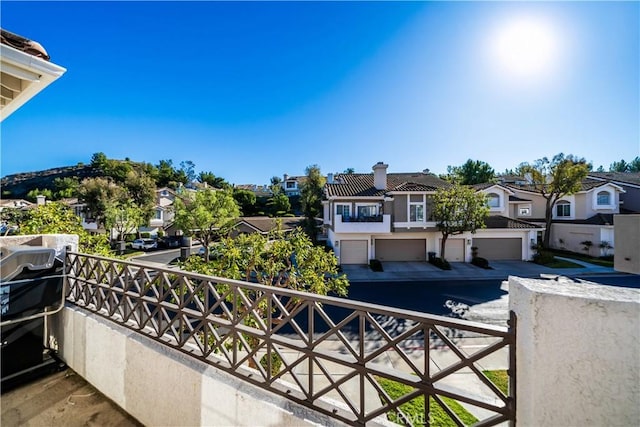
{"x":17,"y":186}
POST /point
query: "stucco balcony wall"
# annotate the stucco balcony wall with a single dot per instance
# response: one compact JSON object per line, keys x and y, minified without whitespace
{"x":383,"y":226}
{"x":577,"y":352}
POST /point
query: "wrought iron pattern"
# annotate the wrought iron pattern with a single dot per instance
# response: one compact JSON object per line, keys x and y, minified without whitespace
{"x":323,"y":352}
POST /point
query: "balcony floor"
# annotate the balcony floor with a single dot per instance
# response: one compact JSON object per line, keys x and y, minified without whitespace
{"x":61,"y":399}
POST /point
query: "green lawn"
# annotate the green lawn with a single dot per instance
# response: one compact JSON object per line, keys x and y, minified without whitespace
{"x":414,"y":409}
{"x":581,"y":257}
{"x":500,"y":379}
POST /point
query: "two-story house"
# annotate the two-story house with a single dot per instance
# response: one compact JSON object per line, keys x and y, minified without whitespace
{"x":291,"y":185}
{"x":388,"y":216}
{"x":584,"y":216}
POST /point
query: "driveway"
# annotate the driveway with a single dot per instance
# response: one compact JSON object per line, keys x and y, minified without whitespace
{"x":403,"y":271}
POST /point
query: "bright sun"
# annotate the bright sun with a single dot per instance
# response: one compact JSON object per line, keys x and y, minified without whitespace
{"x":525,"y":48}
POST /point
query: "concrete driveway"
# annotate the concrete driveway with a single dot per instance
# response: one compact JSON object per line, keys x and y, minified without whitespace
{"x":402,"y":271}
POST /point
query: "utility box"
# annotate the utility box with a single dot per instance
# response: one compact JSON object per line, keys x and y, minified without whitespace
{"x":31,"y":288}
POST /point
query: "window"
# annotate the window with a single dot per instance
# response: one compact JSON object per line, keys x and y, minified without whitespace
{"x":344,"y":210}
{"x":563,"y":209}
{"x":366,"y":211}
{"x":164,"y":193}
{"x":416,"y":212}
{"x":524,"y":211}
{"x":604,"y":198}
{"x":158,"y":214}
{"x":493,"y":200}
{"x":291,"y":184}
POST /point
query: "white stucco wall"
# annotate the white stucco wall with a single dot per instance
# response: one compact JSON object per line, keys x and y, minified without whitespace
{"x":578,"y":353}
{"x":161,"y":386}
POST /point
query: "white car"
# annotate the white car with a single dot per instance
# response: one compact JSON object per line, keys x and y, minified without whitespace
{"x":144,"y":244}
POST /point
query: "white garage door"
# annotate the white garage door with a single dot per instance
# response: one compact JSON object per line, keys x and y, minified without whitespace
{"x":499,"y":249}
{"x":454,"y":251}
{"x":354,"y":252}
{"x":401,"y":249}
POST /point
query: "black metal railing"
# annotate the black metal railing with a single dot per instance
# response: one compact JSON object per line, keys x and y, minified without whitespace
{"x":329,"y":354}
{"x":371,"y":218}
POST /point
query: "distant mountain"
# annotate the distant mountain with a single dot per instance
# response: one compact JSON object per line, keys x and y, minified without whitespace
{"x":17,"y":186}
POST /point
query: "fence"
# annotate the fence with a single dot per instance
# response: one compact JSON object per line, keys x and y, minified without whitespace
{"x":330,"y":354}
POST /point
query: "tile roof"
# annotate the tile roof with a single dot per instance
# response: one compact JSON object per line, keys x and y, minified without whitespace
{"x":586,"y":185}
{"x":361,"y":185}
{"x":23,"y":44}
{"x":597,"y":219}
{"x":624,"y":177}
{"x":499,"y":221}
{"x":518,"y":199}
{"x":266,"y":224}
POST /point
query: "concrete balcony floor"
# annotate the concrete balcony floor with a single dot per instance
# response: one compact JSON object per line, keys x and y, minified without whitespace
{"x":61,"y":399}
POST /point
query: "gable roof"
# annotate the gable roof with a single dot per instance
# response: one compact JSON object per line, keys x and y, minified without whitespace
{"x":587,"y":184}
{"x":264,"y":224}
{"x":361,"y":184}
{"x":618,"y":177}
{"x":499,"y":221}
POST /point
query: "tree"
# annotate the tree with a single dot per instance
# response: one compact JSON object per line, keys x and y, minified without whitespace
{"x":555,"y":179}
{"x":99,"y":160}
{"x":311,"y":200}
{"x":188,"y":169}
{"x":209,"y":213}
{"x":65,"y":187}
{"x":97,"y":194}
{"x":623,"y":166}
{"x":32,"y":195}
{"x":471,"y":172}
{"x":458,"y":209}
{"x":283,"y":260}
{"x":246,"y":200}
{"x":349,"y":171}
{"x":141,"y":189}
{"x":213,"y":181}
{"x":279,"y":205}
{"x":276,"y":185}
{"x":56,"y":218}
{"x":123,"y":217}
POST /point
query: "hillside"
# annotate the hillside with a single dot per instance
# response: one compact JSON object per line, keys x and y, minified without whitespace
{"x":18,"y":185}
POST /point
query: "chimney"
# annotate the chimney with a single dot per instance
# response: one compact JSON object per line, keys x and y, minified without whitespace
{"x":285,"y":176}
{"x":40,"y":200}
{"x":329,"y":178}
{"x":380,"y":176}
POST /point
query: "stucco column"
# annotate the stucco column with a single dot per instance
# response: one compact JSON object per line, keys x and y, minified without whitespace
{"x":578,"y":353}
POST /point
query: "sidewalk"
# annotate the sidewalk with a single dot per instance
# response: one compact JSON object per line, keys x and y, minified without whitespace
{"x":500,"y":270}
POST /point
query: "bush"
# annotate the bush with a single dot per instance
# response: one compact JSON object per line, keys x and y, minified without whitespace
{"x":543,"y":258}
{"x":129,"y":238}
{"x":276,"y":363}
{"x":480,"y":262}
{"x":442,"y":264}
{"x":375,"y":265}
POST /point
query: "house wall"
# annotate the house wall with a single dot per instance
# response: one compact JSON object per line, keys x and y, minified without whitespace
{"x":400,"y":206}
{"x":630,"y":199}
{"x":587,"y":202}
{"x":627,"y":247}
{"x":577,"y":353}
{"x":573,"y":234}
{"x":503,"y":208}
{"x":538,"y":203}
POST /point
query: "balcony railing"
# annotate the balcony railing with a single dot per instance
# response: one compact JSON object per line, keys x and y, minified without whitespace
{"x":369,"y":224}
{"x":326,"y":353}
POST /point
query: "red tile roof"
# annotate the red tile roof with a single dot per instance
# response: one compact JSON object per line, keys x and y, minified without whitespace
{"x":23,"y":44}
{"x":361,"y":185}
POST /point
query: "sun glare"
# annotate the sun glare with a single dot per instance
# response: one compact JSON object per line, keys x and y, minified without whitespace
{"x":525,"y":48}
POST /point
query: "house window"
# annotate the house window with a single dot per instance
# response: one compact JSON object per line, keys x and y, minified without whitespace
{"x":291,"y":184}
{"x":344,"y":210}
{"x":524,"y":211}
{"x":164,"y":193}
{"x":563,"y":209}
{"x":604,"y":198}
{"x":416,"y":212}
{"x":366,"y":210}
{"x":493,"y":200}
{"x":158,"y":214}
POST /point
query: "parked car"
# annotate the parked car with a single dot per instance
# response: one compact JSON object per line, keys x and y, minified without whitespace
{"x":144,"y":244}
{"x":170,"y":242}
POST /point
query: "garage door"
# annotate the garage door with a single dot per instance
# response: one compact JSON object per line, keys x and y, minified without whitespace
{"x":498,"y":249}
{"x":454,"y":251}
{"x":401,"y":250}
{"x":353,"y":252}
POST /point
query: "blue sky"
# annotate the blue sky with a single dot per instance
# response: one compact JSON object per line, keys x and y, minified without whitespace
{"x":249,"y":90}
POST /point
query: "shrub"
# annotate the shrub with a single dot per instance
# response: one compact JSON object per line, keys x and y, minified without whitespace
{"x":276,"y":363}
{"x":160,"y":233}
{"x":375,"y":265}
{"x":130,"y":238}
{"x":480,"y":262}
{"x":442,"y":264}
{"x":543,"y":258}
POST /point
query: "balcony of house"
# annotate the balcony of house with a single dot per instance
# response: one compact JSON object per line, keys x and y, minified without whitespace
{"x":362,"y":224}
{"x":226,"y":352}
